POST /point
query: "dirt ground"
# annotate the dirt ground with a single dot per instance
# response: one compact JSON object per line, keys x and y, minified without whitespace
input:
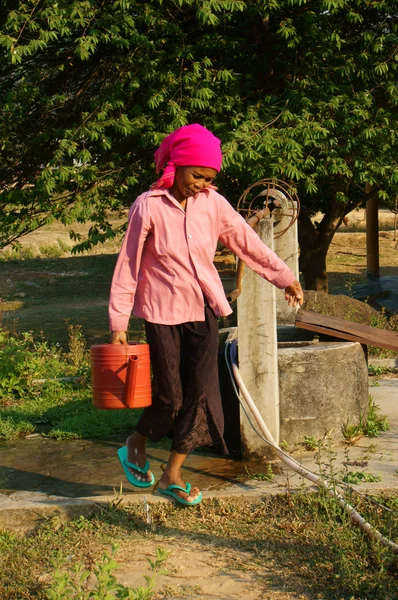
{"x":346,"y":260}
{"x":210,"y":573}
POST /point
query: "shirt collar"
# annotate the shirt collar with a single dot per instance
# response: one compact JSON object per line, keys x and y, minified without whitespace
{"x":169,"y":195}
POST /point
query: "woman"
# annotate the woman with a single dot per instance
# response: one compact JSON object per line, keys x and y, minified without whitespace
{"x":165,"y":274}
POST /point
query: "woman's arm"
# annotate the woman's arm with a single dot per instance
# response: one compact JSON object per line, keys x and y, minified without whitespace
{"x":125,"y":277}
{"x":239,"y":237}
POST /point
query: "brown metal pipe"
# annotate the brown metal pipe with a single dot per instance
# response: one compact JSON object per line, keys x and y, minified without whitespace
{"x":238,"y":283}
{"x":260,"y":214}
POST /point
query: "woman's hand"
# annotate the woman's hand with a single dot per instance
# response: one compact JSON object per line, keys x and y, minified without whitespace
{"x":294,"y":294}
{"x":118,"y":337}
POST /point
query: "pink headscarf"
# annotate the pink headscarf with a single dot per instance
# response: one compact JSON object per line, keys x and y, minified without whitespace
{"x":191,"y":145}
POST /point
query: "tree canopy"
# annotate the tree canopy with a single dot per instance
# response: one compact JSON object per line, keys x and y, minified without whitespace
{"x":301,"y":90}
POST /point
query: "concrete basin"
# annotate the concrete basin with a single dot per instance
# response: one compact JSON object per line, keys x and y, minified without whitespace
{"x":322,"y":384}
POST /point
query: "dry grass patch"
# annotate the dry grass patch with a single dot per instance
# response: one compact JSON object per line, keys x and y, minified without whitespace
{"x":346,"y":261}
{"x":284,"y":547}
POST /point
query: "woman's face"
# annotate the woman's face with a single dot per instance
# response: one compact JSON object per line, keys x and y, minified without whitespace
{"x":191,"y":180}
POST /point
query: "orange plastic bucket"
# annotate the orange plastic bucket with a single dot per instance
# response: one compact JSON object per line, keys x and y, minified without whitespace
{"x":120,"y":375}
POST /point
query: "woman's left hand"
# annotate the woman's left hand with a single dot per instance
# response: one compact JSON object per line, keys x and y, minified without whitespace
{"x":294,"y":294}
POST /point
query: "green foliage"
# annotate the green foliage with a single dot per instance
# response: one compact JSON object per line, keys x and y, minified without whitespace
{"x":351,"y":433}
{"x":311,"y":442}
{"x":383,"y":321}
{"x":43,"y":385}
{"x":69,"y":584}
{"x":266,"y":475}
{"x":18,"y":252}
{"x":13,"y":427}
{"x":22,"y":360}
{"x":306,"y":92}
{"x":370,"y":424}
{"x":355,"y":477}
{"x":51,"y":250}
{"x":374,"y":422}
{"x":89,"y":422}
{"x":77,"y":346}
{"x":375,"y":371}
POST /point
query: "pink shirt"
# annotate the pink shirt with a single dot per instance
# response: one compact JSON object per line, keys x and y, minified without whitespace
{"x":165,"y":265}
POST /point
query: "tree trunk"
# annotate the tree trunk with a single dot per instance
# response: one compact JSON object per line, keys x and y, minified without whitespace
{"x":313,"y":253}
{"x":315,"y":239}
{"x":314,"y":268}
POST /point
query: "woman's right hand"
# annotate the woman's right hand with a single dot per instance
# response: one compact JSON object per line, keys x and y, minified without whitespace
{"x":118,"y":337}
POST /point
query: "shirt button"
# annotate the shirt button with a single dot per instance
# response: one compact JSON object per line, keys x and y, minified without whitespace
{"x":189,"y":237}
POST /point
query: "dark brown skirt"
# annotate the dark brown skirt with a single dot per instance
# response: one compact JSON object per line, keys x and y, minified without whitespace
{"x":186,"y":401}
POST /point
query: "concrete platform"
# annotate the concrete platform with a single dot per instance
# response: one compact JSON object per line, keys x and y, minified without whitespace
{"x":40,"y":476}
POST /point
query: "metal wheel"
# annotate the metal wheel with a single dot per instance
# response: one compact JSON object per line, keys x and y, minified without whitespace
{"x":277,"y":197}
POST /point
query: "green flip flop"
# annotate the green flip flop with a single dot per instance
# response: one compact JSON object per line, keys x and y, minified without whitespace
{"x":169,"y":491}
{"x":122,"y":454}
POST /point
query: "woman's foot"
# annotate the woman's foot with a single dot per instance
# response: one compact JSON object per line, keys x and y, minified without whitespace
{"x":174,"y":478}
{"x":136,"y":455}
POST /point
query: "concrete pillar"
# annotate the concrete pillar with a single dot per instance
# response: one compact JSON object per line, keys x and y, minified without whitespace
{"x":257,"y":347}
{"x":286,"y":248}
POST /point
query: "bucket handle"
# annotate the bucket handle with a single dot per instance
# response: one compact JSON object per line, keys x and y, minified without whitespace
{"x":131,"y":379}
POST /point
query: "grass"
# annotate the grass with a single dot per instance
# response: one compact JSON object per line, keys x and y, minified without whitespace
{"x":266,"y":475}
{"x":370,"y":424}
{"x":299,"y":544}
{"x":63,"y":411}
{"x":59,"y":287}
{"x":355,"y":477}
{"x":56,"y":291}
{"x":311,"y":442}
{"x":43,"y":386}
{"x":346,"y":260}
{"x":67,"y":583}
{"x":386,"y":224}
{"x":374,"y":422}
{"x":377,"y":372}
